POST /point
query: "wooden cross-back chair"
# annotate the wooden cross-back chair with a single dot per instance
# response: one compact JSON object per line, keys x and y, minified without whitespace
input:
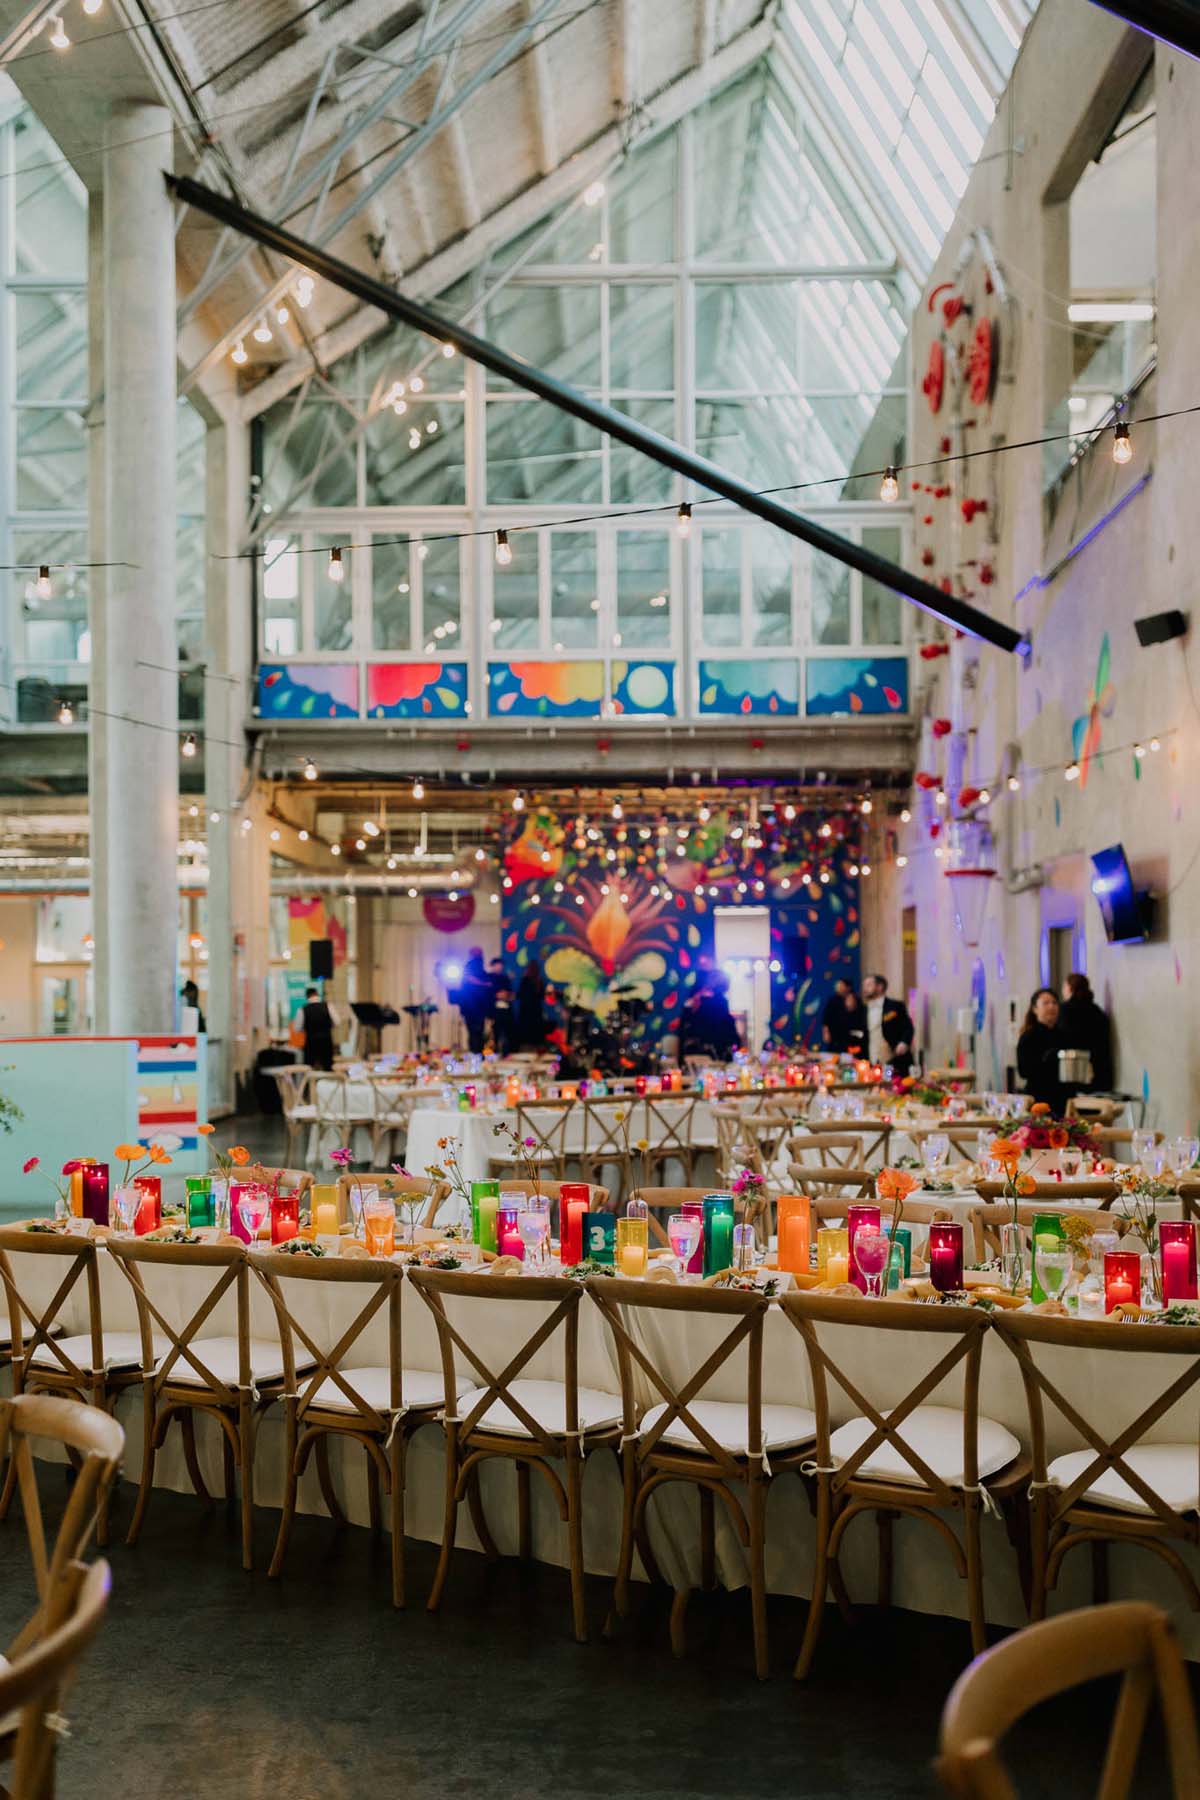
{"x":1063,"y":1192}
{"x":97,"y":1442}
{"x":1118,"y":1488}
{"x":914,"y":1458}
{"x":93,"y":1365}
{"x":827,"y":1149}
{"x":738,"y":1143}
{"x":856,"y":1184}
{"x":609,"y":1130}
{"x":35,"y":1683}
{"x":729,"y":1451}
{"x":951,"y":1078}
{"x":963,"y":1138}
{"x":342,"y":1393}
{"x":545,"y":1121}
{"x":399,"y":1187}
{"x":670,"y":1123}
{"x":535,"y":1424}
{"x":1189,"y":1199}
{"x":1112,"y":1137}
{"x":294,"y":1082}
{"x":1130,"y":1639}
{"x":873,"y":1135}
{"x":228,"y":1378}
{"x":1094,"y":1107}
{"x":282,"y":1181}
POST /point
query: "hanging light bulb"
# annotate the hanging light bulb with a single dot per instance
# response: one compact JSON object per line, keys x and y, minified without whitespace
{"x":889,"y":487}
{"x":683,"y":520}
{"x":902,"y":862}
{"x":302,"y":835}
{"x":41,"y":586}
{"x":310,"y":769}
{"x":518,"y":803}
{"x":618,"y":811}
{"x":282,"y":315}
{"x":1071,"y":772}
{"x":867,"y":805}
{"x":985,"y":797}
{"x":789,"y":812}
{"x":1014,"y":784}
{"x":704,"y":814}
{"x":448,"y":351}
{"x":1139,"y":750}
{"x":92,"y":7}
{"x":1122,"y":448}
{"x":239,"y":354}
{"x":1155,"y":743}
{"x":503,"y":549}
{"x":335,"y":849}
{"x":941,"y":797}
{"x":593,"y":194}
{"x":262,"y":331}
{"x":188,"y":746}
{"x":418,"y":789}
{"x":414,"y":438}
{"x":417,"y":383}
{"x":66,"y":713}
{"x":370,"y":828}
{"x":905,"y":815}
{"x":337,"y":568}
{"x":58,"y":35}
{"x":304,"y":291}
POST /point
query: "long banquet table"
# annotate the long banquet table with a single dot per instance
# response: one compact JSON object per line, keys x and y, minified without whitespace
{"x":1108,"y":1387}
{"x":476,"y":1132}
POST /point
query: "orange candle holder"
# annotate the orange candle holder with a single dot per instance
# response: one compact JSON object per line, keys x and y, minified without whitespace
{"x":794,"y":1216}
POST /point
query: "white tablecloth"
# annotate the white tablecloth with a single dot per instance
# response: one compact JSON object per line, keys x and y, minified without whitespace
{"x":1109,"y":1388}
{"x":476,"y":1135}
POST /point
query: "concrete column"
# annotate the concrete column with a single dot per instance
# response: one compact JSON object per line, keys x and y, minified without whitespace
{"x":98,"y":607}
{"x":136,"y":745}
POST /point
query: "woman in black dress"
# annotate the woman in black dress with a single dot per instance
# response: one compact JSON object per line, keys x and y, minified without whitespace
{"x":1084,"y":1026}
{"x":1037,"y":1051}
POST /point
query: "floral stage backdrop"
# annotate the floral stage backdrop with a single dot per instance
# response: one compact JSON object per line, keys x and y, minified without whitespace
{"x":625,"y":906}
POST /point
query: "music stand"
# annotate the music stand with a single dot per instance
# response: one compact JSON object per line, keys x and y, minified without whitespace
{"x":372,"y":1018}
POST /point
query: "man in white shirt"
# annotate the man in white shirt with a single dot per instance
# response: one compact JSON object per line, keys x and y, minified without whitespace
{"x":889,"y":1026}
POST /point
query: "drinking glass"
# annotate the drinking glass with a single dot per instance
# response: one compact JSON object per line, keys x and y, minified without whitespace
{"x":956,"y":1107}
{"x":379,"y":1225}
{"x":533,"y":1223}
{"x":1070,"y":1161}
{"x":220,"y":1194}
{"x":359,"y":1196}
{"x":253,"y":1206}
{"x":871,"y":1254}
{"x":1140,"y":1146}
{"x":983,"y":1146}
{"x":128,"y":1204}
{"x":1054,"y":1265}
{"x":743,"y":1247}
{"x":935,"y":1151}
{"x":1179,"y":1156}
{"x":1012,"y":1256}
{"x":683,"y":1233}
{"x":1189,"y":1149}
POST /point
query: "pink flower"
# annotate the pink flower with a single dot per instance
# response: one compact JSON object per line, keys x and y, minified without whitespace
{"x":399,"y":1169}
{"x":342,"y":1157}
{"x":31,"y":1164}
{"x":530,"y":1143}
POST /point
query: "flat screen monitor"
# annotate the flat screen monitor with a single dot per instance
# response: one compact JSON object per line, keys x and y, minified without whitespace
{"x":1120,"y":904}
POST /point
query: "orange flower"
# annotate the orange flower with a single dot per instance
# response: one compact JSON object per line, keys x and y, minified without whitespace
{"x":1039,"y":1109}
{"x":1026,"y":1184}
{"x":1060,"y":1137}
{"x":894,"y":1184}
{"x":158,"y":1154}
{"x":128,"y":1152}
{"x":239,"y":1155}
{"x":206,"y":1130}
{"x":1007,"y":1152}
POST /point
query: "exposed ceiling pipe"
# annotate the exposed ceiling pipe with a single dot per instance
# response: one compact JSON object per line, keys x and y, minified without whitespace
{"x":353,"y":881}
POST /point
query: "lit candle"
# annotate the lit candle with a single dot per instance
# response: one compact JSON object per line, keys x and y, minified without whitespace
{"x":837,"y":1269}
{"x":512,"y":1091}
{"x":794,"y":1215}
{"x":1122,"y":1278}
{"x":633,"y":1261}
{"x":718,"y":1233}
{"x":573,"y":1204}
{"x":285,"y":1217}
{"x":633,"y":1245}
{"x":487,"y":1206}
{"x":93,"y":1177}
{"x":325,"y":1217}
{"x":832,"y":1240}
{"x":1177,"y":1245}
{"x":859,"y":1218}
{"x":511,"y":1245}
{"x":946,"y":1256}
{"x":149,"y":1213}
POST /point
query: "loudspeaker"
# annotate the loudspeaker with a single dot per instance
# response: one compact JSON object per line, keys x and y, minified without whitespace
{"x":320,"y":958}
{"x":1159,"y":628}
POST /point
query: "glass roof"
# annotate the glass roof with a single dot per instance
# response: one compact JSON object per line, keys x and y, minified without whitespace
{"x":908,"y":88}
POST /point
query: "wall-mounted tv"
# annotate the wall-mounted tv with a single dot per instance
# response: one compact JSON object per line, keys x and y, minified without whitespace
{"x":1122,"y":908}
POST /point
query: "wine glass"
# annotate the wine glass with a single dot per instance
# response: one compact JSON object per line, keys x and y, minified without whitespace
{"x":1054,"y":1264}
{"x":253,"y":1206}
{"x":1189,"y":1150}
{"x":871,"y":1254}
{"x":935,"y":1151}
{"x":683,"y":1233}
{"x":956,"y":1107}
{"x":983,"y":1146}
{"x":1070,"y":1161}
{"x":128,"y":1202}
{"x":1178,"y":1153}
{"x":1141,"y":1144}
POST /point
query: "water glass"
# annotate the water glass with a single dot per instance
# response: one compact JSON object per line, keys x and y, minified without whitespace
{"x":871,"y":1254}
{"x":1054,"y":1262}
{"x":935,"y":1151}
{"x":1141,"y":1145}
{"x":956,"y":1107}
{"x":533,"y":1223}
{"x":1070,"y":1161}
{"x":253,"y":1206}
{"x":128,"y":1202}
{"x":744,"y":1246}
{"x":983,"y":1146}
{"x":1012,"y":1256}
{"x":1179,"y":1154}
{"x":683,"y":1234}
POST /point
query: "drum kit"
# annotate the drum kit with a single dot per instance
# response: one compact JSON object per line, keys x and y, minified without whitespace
{"x":612,"y":1044}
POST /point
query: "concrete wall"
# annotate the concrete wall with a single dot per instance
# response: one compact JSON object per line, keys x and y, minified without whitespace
{"x":1066,"y":90}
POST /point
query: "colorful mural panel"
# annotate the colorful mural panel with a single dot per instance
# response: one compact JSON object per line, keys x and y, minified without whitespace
{"x":749,"y":688}
{"x":856,"y":684}
{"x":643,"y":687}
{"x":546,"y":690}
{"x":309,"y":920}
{"x":171,"y":1098}
{"x":308,"y":690}
{"x":427,"y":690}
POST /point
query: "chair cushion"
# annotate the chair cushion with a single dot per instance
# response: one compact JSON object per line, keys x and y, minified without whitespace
{"x":122,"y":1350}
{"x":419,"y":1387}
{"x":1172,"y":1471}
{"x":783,"y":1427}
{"x":546,"y":1401}
{"x":220,"y":1356}
{"x":936,"y":1434}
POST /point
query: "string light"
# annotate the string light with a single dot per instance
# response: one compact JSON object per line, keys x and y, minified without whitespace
{"x":985,"y":797}
{"x":1014,"y":784}
{"x":683,"y":520}
{"x":593,"y":194}
{"x":58,"y":35}
{"x":282,"y":315}
{"x":416,"y":384}
{"x":188,"y":746}
{"x":864,"y":869}
{"x":262,"y":331}
{"x":302,"y":835}
{"x":414,"y":438}
{"x":618,"y":811}
{"x":902,"y":862}
{"x":1122,"y":447}
{"x":240,"y":354}
{"x":66,"y":713}
{"x":276,"y":834}
{"x":1139,"y":750}
{"x":399,"y":407}
{"x":519,"y":803}
{"x":418,"y":789}
{"x":310,"y":769}
{"x":335,"y":849}
{"x":789,"y":812}
{"x":1071,"y":772}
{"x":41,"y":586}
{"x":866,"y":806}
{"x":504,"y":553}
{"x":304,"y":291}
{"x":941,"y":797}
{"x":889,"y":487}
{"x":92,"y":7}
{"x":448,"y":351}
{"x":370,"y":828}
{"x":1155,"y":744}
{"x":905,"y":815}
{"x":337,"y":568}
{"x":704,"y":814}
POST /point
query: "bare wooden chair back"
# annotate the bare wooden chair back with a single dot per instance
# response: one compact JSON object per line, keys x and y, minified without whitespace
{"x":915,"y":1212}
{"x":827,"y":1149}
{"x":1092,"y":1106}
{"x":951,"y":1078}
{"x":669,"y":1124}
{"x":985,"y":1223}
{"x":609,"y":1129}
{"x":857,"y":1184}
{"x":142,"y":1262}
{"x":963,"y":1138}
{"x":402,"y":1188}
{"x":34,"y":1683}
{"x":1103,"y":1192}
{"x":323,"y":1352}
{"x":1130,"y":1639}
{"x":294,"y":1081}
{"x":738,"y":1145}
{"x":873,"y":1135}
{"x":546,"y":1122}
{"x":1189,"y":1198}
{"x":98,"y":1442}
{"x":1117,"y":1137}
{"x":31,"y":1326}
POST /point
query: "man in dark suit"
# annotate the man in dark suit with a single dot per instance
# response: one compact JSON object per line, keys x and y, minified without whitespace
{"x":889,"y":1026}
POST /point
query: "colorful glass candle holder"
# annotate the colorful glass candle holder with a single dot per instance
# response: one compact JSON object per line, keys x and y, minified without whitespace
{"x":199,"y":1201}
{"x":487,"y":1208}
{"x":379,"y":1224}
{"x":482,"y":1190}
{"x":794,"y":1216}
{"x":718,"y":1233}
{"x":149,"y":1213}
{"x":833,"y":1254}
{"x":93,"y":1190}
{"x":1047,"y":1234}
{"x":285,"y":1217}
{"x":633,"y":1247}
{"x":573,"y":1204}
{"x":508,"y":1231}
{"x":900,"y":1261}
{"x":325,"y":1209}
{"x":946,"y":1255}
{"x":1122,"y":1279}
{"x":696,"y":1209}
{"x":859,"y":1218}
{"x":1177,"y":1248}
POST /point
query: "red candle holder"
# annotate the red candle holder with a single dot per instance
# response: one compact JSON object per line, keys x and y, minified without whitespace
{"x":639,"y":1085}
{"x":149,"y":1213}
{"x":859,"y":1218}
{"x":946,"y":1256}
{"x":1122,"y":1279}
{"x":1177,"y":1249}
{"x":573,"y":1203}
{"x":285,"y":1217}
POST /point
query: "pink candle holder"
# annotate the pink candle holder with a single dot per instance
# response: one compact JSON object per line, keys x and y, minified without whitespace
{"x":94,"y":1190}
{"x":1122,"y":1278}
{"x":508,"y":1233}
{"x":859,"y":1218}
{"x":946,"y":1256}
{"x":696,"y":1208}
{"x":1177,"y":1248}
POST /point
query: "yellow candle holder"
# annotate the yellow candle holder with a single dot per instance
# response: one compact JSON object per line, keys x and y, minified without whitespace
{"x":832,"y":1241}
{"x":633,"y":1247}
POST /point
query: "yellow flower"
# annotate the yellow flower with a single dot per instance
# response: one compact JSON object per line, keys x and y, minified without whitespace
{"x":642,"y":1144}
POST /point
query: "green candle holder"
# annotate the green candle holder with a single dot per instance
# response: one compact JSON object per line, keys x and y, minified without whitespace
{"x":481,"y":1190}
{"x":900,"y":1258}
{"x":718,"y":1233}
{"x":1045,"y":1225}
{"x":201,"y":1208}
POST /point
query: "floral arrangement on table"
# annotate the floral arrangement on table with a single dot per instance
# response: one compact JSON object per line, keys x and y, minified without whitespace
{"x":153,"y":1155}
{"x":1150,"y":1188}
{"x":62,"y":1187}
{"x":925,"y":1093}
{"x":1007,"y":1151}
{"x":895,"y":1184}
{"x":1040,"y":1130}
{"x":749,"y":1187}
{"x":449,"y":1169}
{"x":225,"y":1161}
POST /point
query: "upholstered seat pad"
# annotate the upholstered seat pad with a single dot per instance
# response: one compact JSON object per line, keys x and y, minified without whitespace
{"x":1172,"y":1471}
{"x":418,"y":1387}
{"x":219,"y":1355}
{"x":783,"y":1427}
{"x":935,"y":1433}
{"x":545,"y":1401}
{"x":121,"y":1350}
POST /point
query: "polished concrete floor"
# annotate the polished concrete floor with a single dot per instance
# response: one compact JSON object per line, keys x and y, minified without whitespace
{"x":206,"y":1681}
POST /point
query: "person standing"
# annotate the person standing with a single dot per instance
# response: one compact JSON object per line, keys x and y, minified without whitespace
{"x":315,"y":1020}
{"x":531,"y":1007}
{"x":1085,"y":1026}
{"x":475,"y":997}
{"x":889,"y":1026}
{"x":502,"y":1006}
{"x":854,"y":1024}
{"x":833,"y":1019}
{"x":1037,"y":1052}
